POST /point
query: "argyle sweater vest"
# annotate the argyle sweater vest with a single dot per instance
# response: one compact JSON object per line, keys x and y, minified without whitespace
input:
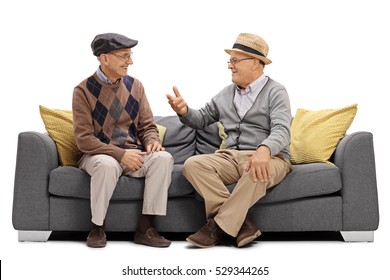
{"x":108,"y":119}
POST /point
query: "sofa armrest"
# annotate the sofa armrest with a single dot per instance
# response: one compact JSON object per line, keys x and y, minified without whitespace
{"x":355,"y":158}
{"x":36,"y":157}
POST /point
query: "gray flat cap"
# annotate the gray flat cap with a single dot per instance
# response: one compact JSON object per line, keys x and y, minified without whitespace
{"x":107,"y":42}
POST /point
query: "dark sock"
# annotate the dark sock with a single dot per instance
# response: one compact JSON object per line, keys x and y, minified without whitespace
{"x":145,"y":223}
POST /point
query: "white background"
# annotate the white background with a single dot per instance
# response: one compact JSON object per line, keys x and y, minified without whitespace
{"x":328,"y":54}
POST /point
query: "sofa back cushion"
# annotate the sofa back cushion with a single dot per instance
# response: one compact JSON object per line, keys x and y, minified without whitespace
{"x":179,"y":139}
{"x":207,"y":140}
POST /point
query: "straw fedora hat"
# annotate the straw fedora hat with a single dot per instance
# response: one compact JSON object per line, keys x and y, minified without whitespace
{"x":252,"y":45}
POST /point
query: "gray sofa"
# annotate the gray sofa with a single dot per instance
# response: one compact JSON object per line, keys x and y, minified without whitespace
{"x":313,"y":197}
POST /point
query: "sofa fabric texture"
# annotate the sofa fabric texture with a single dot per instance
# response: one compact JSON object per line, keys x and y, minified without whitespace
{"x":313,"y":197}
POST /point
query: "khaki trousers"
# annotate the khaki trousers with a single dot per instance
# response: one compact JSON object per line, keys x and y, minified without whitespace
{"x":105,"y":172}
{"x":210,"y":173}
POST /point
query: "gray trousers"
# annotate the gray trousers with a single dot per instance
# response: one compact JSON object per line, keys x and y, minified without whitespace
{"x":106,"y":170}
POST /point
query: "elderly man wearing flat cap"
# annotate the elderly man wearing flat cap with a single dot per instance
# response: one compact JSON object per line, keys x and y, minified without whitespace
{"x":255,"y":113}
{"x":114,"y":128}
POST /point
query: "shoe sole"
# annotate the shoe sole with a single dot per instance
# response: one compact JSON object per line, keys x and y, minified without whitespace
{"x":147,"y":243}
{"x":97,"y":245}
{"x":249,"y":239}
{"x":200,"y":245}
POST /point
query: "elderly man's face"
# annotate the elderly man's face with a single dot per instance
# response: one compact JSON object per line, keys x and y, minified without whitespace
{"x":116,"y":63}
{"x":243,"y":69}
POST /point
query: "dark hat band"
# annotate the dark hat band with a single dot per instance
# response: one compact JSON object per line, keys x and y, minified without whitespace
{"x":247,"y":49}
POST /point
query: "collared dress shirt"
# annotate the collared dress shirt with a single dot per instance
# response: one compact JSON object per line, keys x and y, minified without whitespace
{"x":244,"y":99}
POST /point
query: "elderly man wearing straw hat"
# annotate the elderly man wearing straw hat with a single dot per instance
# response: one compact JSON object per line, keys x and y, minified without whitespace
{"x":256,"y":116}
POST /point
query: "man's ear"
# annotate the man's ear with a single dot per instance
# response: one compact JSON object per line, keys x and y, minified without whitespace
{"x":103,"y":58}
{"x":257,"y":63}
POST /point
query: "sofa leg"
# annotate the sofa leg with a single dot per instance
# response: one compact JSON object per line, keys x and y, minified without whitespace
{"x":31,"y":235}
{"x":358,"y":236}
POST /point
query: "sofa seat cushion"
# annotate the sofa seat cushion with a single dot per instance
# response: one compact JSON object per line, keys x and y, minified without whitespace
{"x":68,"y":181}
{"x":305,"y":180}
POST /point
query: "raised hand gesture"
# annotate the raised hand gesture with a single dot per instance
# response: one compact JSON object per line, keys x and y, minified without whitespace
{"x":177,"y":102}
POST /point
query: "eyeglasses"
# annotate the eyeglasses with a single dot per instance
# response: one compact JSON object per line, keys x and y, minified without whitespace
{"x":234,"y":61}
{"x":123,"y":57}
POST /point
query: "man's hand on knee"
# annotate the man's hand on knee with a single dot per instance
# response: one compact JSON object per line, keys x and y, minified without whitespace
{"x":258,"y":165}
{"x":133,"y":159}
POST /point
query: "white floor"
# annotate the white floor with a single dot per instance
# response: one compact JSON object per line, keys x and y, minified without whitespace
{"x":325,"y":259}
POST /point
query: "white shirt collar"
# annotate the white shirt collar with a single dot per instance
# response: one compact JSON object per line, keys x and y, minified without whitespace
{"x":255,"y":86}
{"x":104,"y":78}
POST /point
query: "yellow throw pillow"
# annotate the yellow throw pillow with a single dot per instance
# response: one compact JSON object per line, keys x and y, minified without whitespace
{"x":161,"y":131}
{"x":59,"y":126}
{"x":315,"y":134}
{"x":222,"y":135}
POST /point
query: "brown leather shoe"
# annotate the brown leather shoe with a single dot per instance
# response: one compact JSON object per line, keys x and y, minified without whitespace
{"x":151,"y":238}
{"x":208,"y":236}
{"x":248,"y":232}
{"x":97,"y":237}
